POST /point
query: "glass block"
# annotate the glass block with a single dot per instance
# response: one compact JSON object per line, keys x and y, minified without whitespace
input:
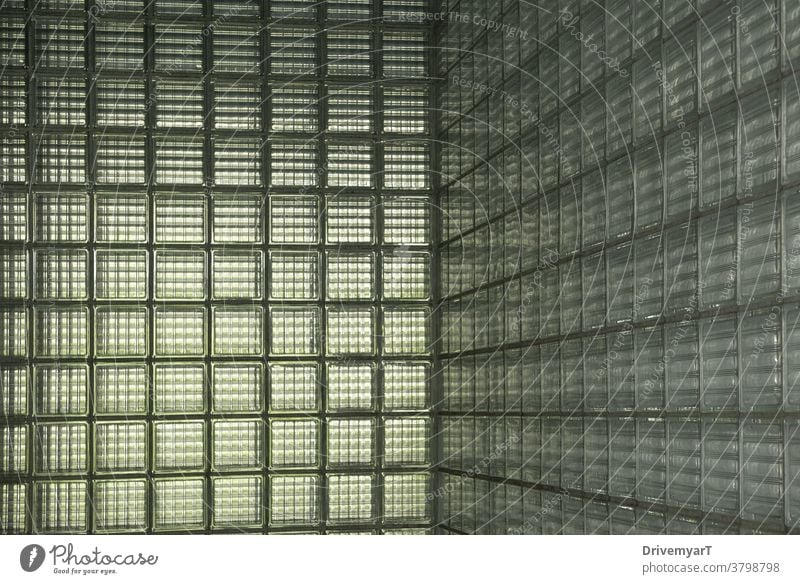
{"x":180,"y":275}
{"x":61,"y":389}
{"x":180,"y":331}
{"x":238,"y":331}
{"x":350,"y":109}
{"x":406,"y":276}
{"x":237,"y":388}
{"x":120,"y":447}
{"x":14,"y":327}
{"x":179,"y":104}
{"x":237,"y":106}
{"x":405,"y":331}
{"x":61,"y":158}
{"x":238,"y":444}
{"x":350,"y":331}
{"x":237,"y":501}
{"x":294,"y":331}
{"x":61,"y":218}
{"x":236,"y":49}
{"x":351,"y":276}
{"x":237,"y":162}
{"x":14,"y":450}
{"x":120,"y":505}
{"x":13,"y":508}
{"x":177,"y":48}
{"x":13,"y":274}
{"x":295,"y":108}
{"x":121,"y":275}
{"x":59,"y":44}
{"x":293,"y":386}
{"x":294,"y":500}
{"x":351,"y":442}
{"x":352,"y":10}
{"x":179,"y":503}
{"x":293,"y":219}
{"x":61,"y":102}
{"x":293,"y":164}
{"x":179,"y":388}
{"x":179,"y":446}
{"x":61,"y":275}
{"x":13,"y":90}
{"x":293,"y":276}
{"x":121,"y":218}
{"x":120,"y":389}
{"x":14,"y":397}
{"x":61,"y":448}
{"x":62,"y":332}
{"x":404,"y":496}
{"x":406,"y":165}
{"x":120,"y":102}
{"x":305,"y":9}
{"x":12,"y":159}
{"x":119,"y":46}
{"x":179,"y":160}
{"x":405,"y":110}
{"x":350,"y":386}
{"x":294,"y":51}
{"x":406,"y":220}
{"x":350,"y":165}
{"x":237,"y":219}
{"x":60,"y":506}
{"x":237,"y":275}
{"x":350,"y":498}
{"x":350,"y":219}
{"x":293,"y":443}
{"x":406,"y":440}
{"x":120,"y":159}
{"x":121,"y":332}
{"x":13,"y":217}
{"x":404,"y":54}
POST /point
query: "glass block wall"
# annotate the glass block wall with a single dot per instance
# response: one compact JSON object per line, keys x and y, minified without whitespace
{"x":620,"y":292}
{"x":215,"y":266}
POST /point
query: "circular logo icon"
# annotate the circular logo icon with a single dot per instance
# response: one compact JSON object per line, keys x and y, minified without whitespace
{"x":31,"y":557}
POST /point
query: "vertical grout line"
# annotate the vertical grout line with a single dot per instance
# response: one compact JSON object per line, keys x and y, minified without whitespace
{"x":28,"y":309}
{"x":264,"y":232}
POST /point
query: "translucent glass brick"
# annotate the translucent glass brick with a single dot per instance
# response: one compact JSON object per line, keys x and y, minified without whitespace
{"x":14,"y":450}
{"x":294,"y":164}
{"x":350,"y":386}
{"x":350,"y":109}
{"x":13,"y":274}
{"x":237,"y":219}
{"x":293,"y":386}
{"x":294,"y":331}
{"x":61,"y":158}
{"x":121,"y":218}
{"x":350,"y":498}
{"x":120,"y":389}
{"x":14,"y":398}
{"x":121,"y":331}
{"x":61,"y":389}
{"x":120,"y":159}
{"x":405,"y":110}
{"x":120,"y":102}
{"x":237,"y":387}
{"x":179,"y":388}
{"x":293,"y":276}
{"x":179,"y":160}
{"x":406,"y":440}
{"x":62,"y":448}
{"x":237,"y":106}
{"x":350,"y":219}
{"x":351,"y":276}
{"x":349,"y":52}
{"x":350,"y":165}
{"x":14,"y":327}
{"x":61,"y":506}
{"x":179,"y":446}
{"x":59,"y":44}
{"x":12,"y":103}
{"x":295,"y":108}
{"x":404,"y":54}
{"x":120,"y":505}
{"x":406,"y":220}
{"x":405,"y":331}
{"x":62,"y":332}
{"x":350,"y":331}
{"x":351,"y":442}
{"x":293,"y":443}
{"x":13,"y":508}
{"x":180,"y":275}
{"x":237,"y":162}
{"x":177,"y":48}
{"x":61,"y":275}
{"x":121,"y":275}
{"x":12,"y":158}
{"x":406,"y":165}
{"x":237,"y":501}
{"x":236,"y":49}
{"x":293,"y":51}
{"x":294,"y":500}
{"x":404,"y":496}
{"x":61,"y":218}
{"x":237,"y":331}
{"x":180,"y":219}
{"x":237,"y":275}
{"x":179,"y":504}
{"x":62,"y":102}
{"x":406,"y":276}
{"x":120,"y":447}
{"x":293,"y":219}
{"x":180,"y":331}
{"x":13,"y":216}
{"x":237,"y":444}
{"x":179,"y":104}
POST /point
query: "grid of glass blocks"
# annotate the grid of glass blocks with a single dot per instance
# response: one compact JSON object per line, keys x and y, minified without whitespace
{"x":198,"y":289}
